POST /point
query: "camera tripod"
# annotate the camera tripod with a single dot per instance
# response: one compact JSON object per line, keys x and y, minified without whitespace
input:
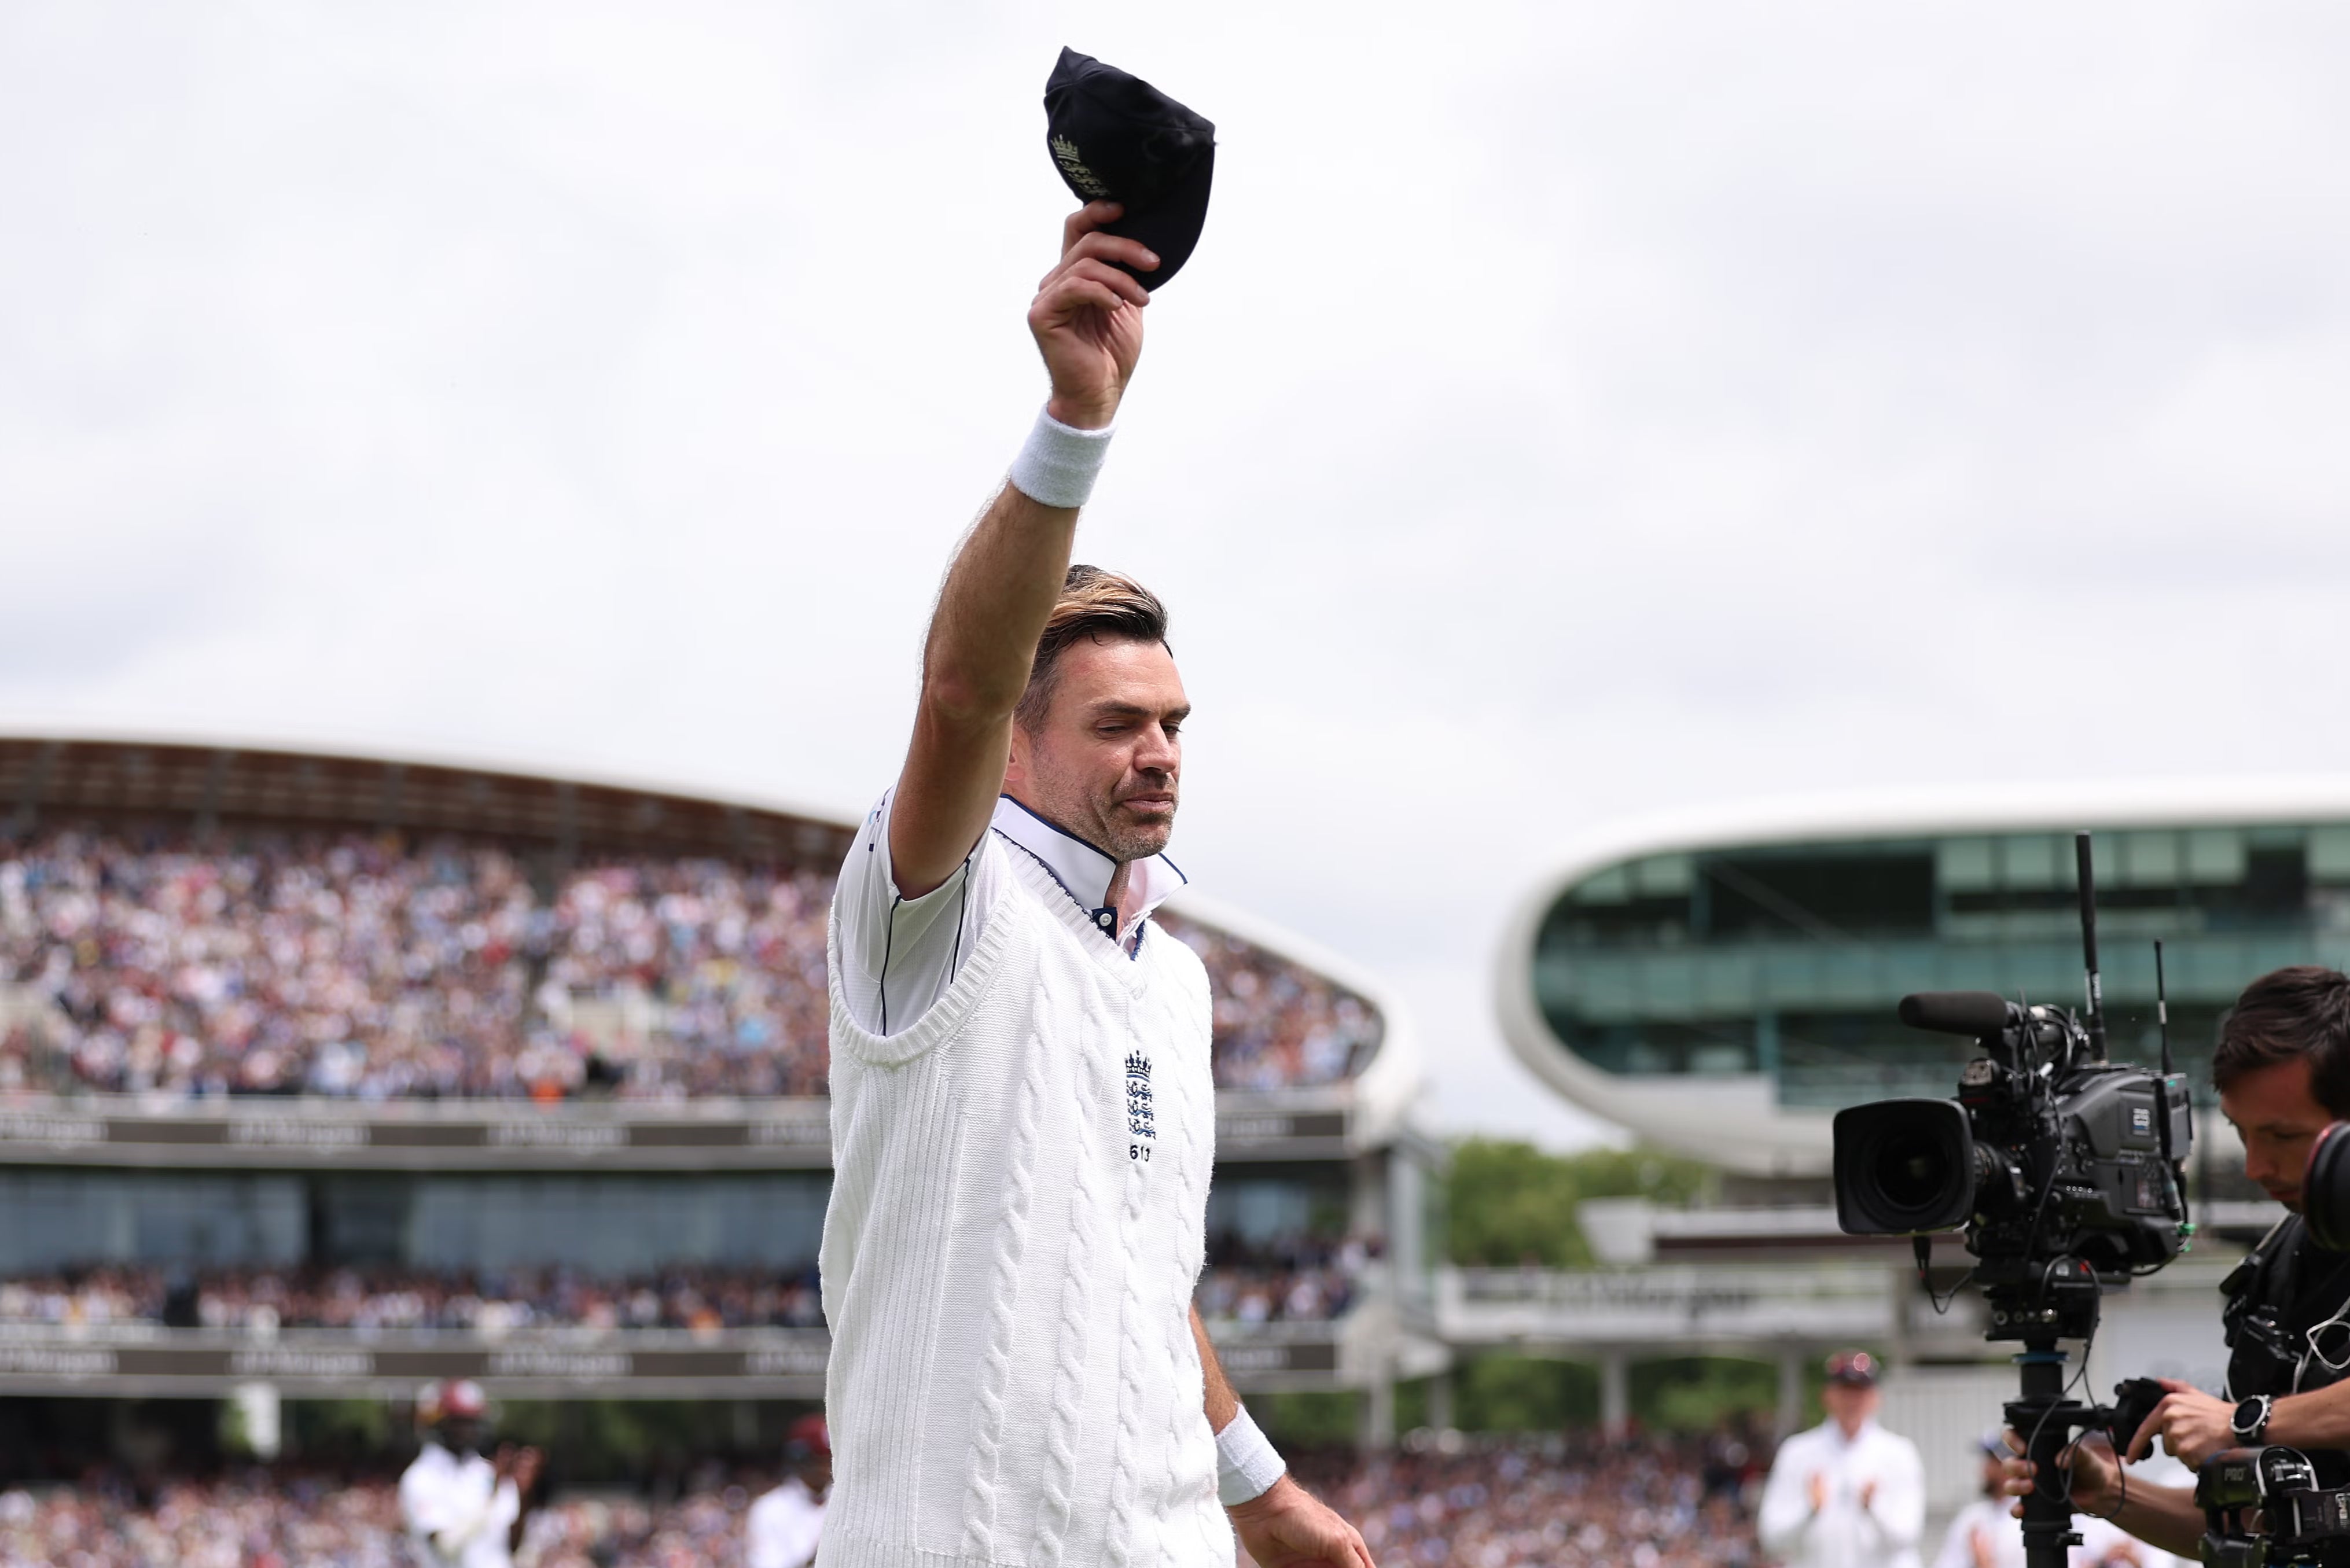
{"x":2061,"y":1303}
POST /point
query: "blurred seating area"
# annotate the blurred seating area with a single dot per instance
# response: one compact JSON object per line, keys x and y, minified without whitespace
{"x":368,"y":967}
{"x":1292,"y":1279}
{"x":1278,"y":1025}
{"x":305,"y":1521}
{"x":1554,"y":1502}
{"x":1292,"y":1285}
{"x":1465,"y":1501}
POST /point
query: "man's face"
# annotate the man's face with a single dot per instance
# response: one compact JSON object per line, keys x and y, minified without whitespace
{"x":1848,"y":1405}
{"x":2279,"y":1119}
{"x":1106,"y":760}
{"x":816,"y":1473}
{"x":461,"y":1434}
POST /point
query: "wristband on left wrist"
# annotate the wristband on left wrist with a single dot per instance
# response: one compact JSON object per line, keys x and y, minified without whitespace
{"x":1247,"y":1465}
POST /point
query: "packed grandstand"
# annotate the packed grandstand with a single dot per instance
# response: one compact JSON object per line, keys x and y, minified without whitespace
{"x":1552,"y":1502}
{"x":361,"y":965}
{"x":296,"y":944}
{"x":1292,"y":1280}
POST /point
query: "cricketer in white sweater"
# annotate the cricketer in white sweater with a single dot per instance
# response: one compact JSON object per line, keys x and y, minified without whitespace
{"x":1022,"y":1114}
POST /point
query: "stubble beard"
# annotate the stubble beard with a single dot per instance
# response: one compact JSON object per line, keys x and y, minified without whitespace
{"x":1123,"y":838}
{"x":1138,"y":842}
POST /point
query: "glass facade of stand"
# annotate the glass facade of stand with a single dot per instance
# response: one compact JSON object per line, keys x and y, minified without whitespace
{"x":616,"y":1224}
{"x":1787,"y":960}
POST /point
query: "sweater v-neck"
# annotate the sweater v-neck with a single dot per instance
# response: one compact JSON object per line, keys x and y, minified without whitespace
{"x":1036,"y":878}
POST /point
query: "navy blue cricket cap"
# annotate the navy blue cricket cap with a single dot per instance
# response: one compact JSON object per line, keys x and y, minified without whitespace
{"x":1115,"y":137}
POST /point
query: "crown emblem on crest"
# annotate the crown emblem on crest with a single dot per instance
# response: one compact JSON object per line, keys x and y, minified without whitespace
{"x":1065,"y":153}
{"x":1138,"y":1065}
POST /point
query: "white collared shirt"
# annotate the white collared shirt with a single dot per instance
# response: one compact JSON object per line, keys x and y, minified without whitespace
{"x":1844,"y":1531}
{"x":783,"y":1527}
{"x":458,"y":1513}
{"x":904,"y":952}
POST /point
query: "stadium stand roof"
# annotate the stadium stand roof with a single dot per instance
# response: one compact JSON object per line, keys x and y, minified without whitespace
{"x":229,"y":785}
{"x":1740,"y":1120}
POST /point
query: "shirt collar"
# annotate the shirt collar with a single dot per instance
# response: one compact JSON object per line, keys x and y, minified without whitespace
{"x":1836,"y":1433}
{"x":1083,"y":871}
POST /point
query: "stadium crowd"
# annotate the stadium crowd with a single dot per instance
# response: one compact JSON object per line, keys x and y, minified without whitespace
{"x":375,"y":1300}
{"x":1296,"y":1284}
{"x":1555,"y":1503}
{"x":1558,"y":1504}
{"x":1296,"y":1279}
{"x":1278,"y":1025}
{"x":253,"y":1521}
{"x":359,"y":966}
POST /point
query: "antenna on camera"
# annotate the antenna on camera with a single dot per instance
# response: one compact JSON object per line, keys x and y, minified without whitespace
{"x":2161,"y":1009}
{"x":2088,"y":877}
{"x":2162,"y":1099}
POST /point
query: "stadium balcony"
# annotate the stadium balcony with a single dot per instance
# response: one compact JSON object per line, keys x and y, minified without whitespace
{"x":1721,"y":981}
{"x":1302,"y":1315}
{"x":145,"y":1360}
{"x":331,"y":1003}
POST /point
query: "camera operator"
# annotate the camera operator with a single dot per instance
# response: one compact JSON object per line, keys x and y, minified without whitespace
{"x":2282,"y":1070}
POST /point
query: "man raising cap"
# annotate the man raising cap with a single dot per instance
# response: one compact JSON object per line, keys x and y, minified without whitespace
{"x":1847,"y":1494}
{"x":463,"y":1511}
{"x":1023,"y":1115}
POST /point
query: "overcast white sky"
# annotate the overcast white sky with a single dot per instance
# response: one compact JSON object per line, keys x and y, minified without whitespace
{"x":1570,"y":411}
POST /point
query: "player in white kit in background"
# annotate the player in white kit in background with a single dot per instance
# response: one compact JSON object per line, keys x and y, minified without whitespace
{"x":461,"y":1509}
{"x":785,"y":1524}
{"x":1847,"y":1494}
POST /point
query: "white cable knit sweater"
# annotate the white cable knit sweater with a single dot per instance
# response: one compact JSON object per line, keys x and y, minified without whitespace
{"x":1018,"y":1214}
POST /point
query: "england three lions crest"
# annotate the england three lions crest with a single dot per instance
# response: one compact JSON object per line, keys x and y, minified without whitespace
{"x":1141,"y":1115}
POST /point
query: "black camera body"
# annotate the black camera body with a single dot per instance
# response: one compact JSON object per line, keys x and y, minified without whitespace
{"x":2066,"y":1173}
{"x":2061,"y":1167}
{"x":2263,"y":1507}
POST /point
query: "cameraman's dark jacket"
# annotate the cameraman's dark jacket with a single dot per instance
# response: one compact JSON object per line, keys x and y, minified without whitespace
{"x":2286,"y":1287}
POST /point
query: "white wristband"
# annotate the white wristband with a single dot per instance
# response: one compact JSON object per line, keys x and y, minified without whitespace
{"x":1058,"y":464}
{"x":1246,"y":1465}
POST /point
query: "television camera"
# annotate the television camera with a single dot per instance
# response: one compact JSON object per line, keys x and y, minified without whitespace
{"x":2066,"y":1172}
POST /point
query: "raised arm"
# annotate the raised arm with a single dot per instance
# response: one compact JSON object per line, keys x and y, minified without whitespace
{"x":1086,"y":319}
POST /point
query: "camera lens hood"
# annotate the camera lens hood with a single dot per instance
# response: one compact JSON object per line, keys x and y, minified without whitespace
{"x":1903,"y":1167}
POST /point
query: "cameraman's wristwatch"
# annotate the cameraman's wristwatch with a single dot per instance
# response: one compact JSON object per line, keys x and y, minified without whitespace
{"x":2251,"y":1421}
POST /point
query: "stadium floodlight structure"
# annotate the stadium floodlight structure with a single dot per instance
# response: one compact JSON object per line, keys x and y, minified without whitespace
{"x":1721,"y":981}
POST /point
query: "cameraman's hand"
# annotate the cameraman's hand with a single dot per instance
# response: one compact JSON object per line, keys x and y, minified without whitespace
{"x":2191,"y":1424}
{"x":2093,"y":1474}
{"x":1087,"y":317}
